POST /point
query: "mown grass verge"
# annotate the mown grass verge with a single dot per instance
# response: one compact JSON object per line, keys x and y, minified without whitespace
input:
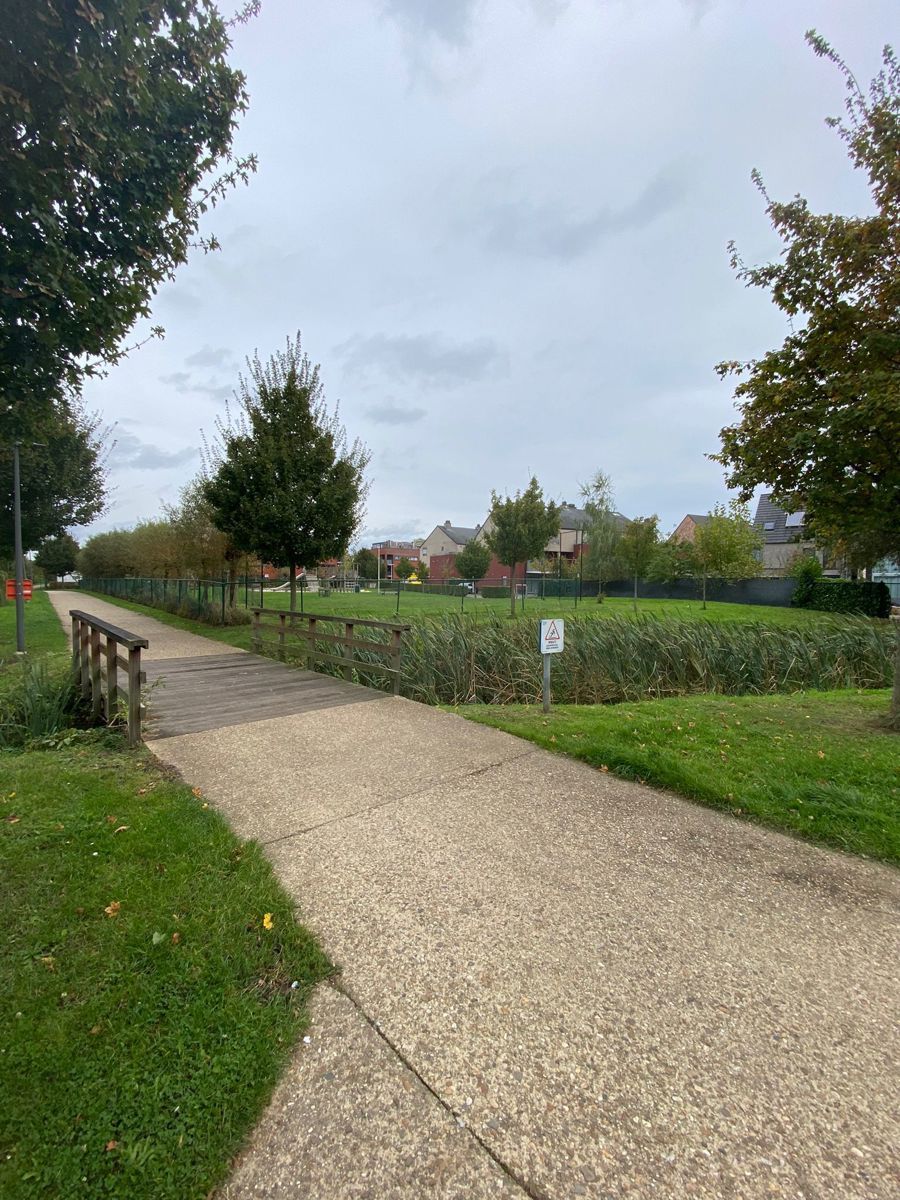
{"x":823,"y":766}
{"x":43,"y":632}
{"x":153,"y":976}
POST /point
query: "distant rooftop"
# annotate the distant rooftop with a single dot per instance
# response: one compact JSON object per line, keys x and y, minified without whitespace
{"x":776,"y":525}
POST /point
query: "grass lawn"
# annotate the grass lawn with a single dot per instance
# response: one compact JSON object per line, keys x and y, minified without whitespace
{"x":147,"y":1007}
{"x":821,"y":765}
{"x":414,"y":606}
{"x":43,"y":631}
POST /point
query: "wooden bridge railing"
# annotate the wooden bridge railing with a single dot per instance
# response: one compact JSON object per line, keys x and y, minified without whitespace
{"x":307,"y":628}
{"x":96,"y":660}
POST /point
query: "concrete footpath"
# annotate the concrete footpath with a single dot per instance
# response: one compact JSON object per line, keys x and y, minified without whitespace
{"x":554,"y":983}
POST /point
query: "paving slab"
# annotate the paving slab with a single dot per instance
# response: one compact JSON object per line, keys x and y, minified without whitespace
{"x":621,"y":993}
{"x":350,"y":1119}
{"x":297,"y":772}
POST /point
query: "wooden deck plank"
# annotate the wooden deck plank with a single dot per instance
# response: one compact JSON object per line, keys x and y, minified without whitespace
{"x":214,"y":691}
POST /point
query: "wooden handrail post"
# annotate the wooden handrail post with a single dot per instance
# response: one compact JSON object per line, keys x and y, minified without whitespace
{"x":256,"y":636}
{"x":281,"y":630}
{"x":76,"y":644}
{"x":96,"y":676}
{"x":348,"y":651}
{"x":84,"y":650}
{"x":134,"y":696}
{"x":112,"y":679}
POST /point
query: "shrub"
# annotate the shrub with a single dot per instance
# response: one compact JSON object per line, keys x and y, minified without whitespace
{"x":807,"y":571}
{"x":850,"y":596}
{"x":494,"y":593}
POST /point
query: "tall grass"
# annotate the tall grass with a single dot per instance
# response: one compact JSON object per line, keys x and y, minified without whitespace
{"x":453,"y":661}
{"x":37,"y":699}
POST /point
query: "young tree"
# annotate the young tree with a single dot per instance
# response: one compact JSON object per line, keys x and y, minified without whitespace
{"x":637,"y":546}
{"x":672,"y":561}
{"x":201,"y":549}
{"x":287,"y":485}
{"x":58,"y":556}
{"x":727,"y":545}
{"x":107,"y":555}
{"x":63,"y":478}
{"x":473,"y":560}
{"x":113,"y":115}
{"x":366,"y":564}
{"x":521,"y":526}
{"x":422,"y":571}
{"x":820,"y":415}
{"x":403,"y":568}
{"x":603,"y":531}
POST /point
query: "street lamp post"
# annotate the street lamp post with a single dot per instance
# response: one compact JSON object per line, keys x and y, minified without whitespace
{"x":20,"y":561}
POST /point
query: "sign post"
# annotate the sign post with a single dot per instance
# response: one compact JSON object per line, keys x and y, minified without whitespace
{"x":552,"y":640}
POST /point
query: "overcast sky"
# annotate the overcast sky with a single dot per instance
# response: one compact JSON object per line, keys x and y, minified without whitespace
{"x":501,"y":227}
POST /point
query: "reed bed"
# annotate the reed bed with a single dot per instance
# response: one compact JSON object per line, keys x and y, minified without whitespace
{"x":449,"y":660}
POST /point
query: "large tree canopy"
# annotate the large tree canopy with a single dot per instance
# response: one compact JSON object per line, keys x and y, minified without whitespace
{"x":113,"y":113}
{"x":820,"y":415}
{"x":287,"y":485}
{"x":63,"y":479}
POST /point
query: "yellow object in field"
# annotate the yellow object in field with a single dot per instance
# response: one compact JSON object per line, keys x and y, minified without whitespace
{"x":414,"y":579}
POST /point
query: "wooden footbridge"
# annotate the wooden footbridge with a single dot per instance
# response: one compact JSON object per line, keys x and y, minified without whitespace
{"x":165,"y":697}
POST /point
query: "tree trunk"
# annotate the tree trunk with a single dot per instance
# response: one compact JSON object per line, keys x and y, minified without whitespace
{"x":293,"y":578}
{"x":895,"y":695}
{"x":512,"y":589}
{"x":232,"y":582}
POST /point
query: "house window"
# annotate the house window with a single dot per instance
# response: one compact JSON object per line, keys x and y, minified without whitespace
{"x":795,"y":519}
{"x":769,"y":525}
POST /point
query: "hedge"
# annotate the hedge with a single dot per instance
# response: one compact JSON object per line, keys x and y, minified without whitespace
{"x":494,"y":593}
{"x":850,"y":596}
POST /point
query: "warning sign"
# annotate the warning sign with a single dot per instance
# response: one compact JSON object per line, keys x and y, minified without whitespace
{"x":552,"y":636}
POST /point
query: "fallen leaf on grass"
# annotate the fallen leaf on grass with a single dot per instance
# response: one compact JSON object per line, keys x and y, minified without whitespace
{"x":158,"y":937}
{"x":112,"y":910}
{"x":112,"y":820}
{"x":176,"y":938}
{"x":196,"y":792}
{"x":112,"y":1144}
{"x":13,"y":820}
{"x":121,"y":829}
{"x":821,"y":753}
{"x":267,"y":921}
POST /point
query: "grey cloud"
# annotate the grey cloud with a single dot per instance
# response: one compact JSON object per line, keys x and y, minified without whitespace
{"x":406,"y":529}
{"x":183,"y":381}
{"x":520,"y":227}
{"x":427,"y":358}
{"x":394,"y":414}
{"x":449,"y":20}
{"x":210,"y":356}
{"x":131,"y":451}
{"x":178,"y":380}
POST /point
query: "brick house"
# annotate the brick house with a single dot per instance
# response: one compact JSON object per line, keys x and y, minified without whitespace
{"x":439,"y":550}
{"x":686,"y":529}
{"x":389,"y":554}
